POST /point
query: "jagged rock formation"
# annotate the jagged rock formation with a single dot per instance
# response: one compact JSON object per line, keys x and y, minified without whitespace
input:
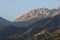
{"x":41,"y":13}
{"x":35,"y":15}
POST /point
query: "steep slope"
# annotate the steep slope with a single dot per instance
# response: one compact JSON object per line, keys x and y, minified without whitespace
{"x":45,"y":24}
{"x":35,"y":15}
{"x":4,"y":22}
{"x":41,"y":12}
{"x":38,"y":30}
{"x":46,"y":29}
{"x":11,"y":30}
{"x":48,"y":34}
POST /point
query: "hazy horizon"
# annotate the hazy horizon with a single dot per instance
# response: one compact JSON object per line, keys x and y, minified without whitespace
{"x":12,"y":9}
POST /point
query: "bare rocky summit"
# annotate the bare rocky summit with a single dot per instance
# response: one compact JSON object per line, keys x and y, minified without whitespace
{"x":41,"y":13}
{"x":35,"y":15}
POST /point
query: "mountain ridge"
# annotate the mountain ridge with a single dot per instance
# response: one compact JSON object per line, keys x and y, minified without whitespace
{"x":4,"y":22}
{"x":35,"y":15}
{"x":41,"y":12}
{"x":35,"y":28}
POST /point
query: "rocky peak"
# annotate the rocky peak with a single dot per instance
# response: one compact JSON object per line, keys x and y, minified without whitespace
{"x":41,"y":13}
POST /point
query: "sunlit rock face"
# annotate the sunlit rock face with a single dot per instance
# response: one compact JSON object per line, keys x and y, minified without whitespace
{"x":41,"y":13}
{"x":35,"y":15}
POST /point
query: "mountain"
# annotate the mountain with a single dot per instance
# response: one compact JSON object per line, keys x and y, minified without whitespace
{"x":45,"y":29}
{"x":41,"y":12}
{"x":35,"y":15}
{"x":11,"y":30}
{"x":48,"y":34}
{"x":4,"y":22}
{"x":44,"y":26}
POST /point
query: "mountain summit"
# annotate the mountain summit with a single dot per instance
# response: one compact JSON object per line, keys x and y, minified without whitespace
{"x":41,"y":13}
{"x":38,"y":24}
{"x":35,"y":15}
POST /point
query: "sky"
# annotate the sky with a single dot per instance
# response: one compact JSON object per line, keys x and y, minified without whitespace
{"x":12,"y":9}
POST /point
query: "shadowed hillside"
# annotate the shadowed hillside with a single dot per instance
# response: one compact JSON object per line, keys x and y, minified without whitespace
{"x":38,"y":24}
{"x":45,"y":29}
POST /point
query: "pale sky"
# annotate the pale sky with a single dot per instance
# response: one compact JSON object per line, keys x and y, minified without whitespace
{"x":12,"y":9}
